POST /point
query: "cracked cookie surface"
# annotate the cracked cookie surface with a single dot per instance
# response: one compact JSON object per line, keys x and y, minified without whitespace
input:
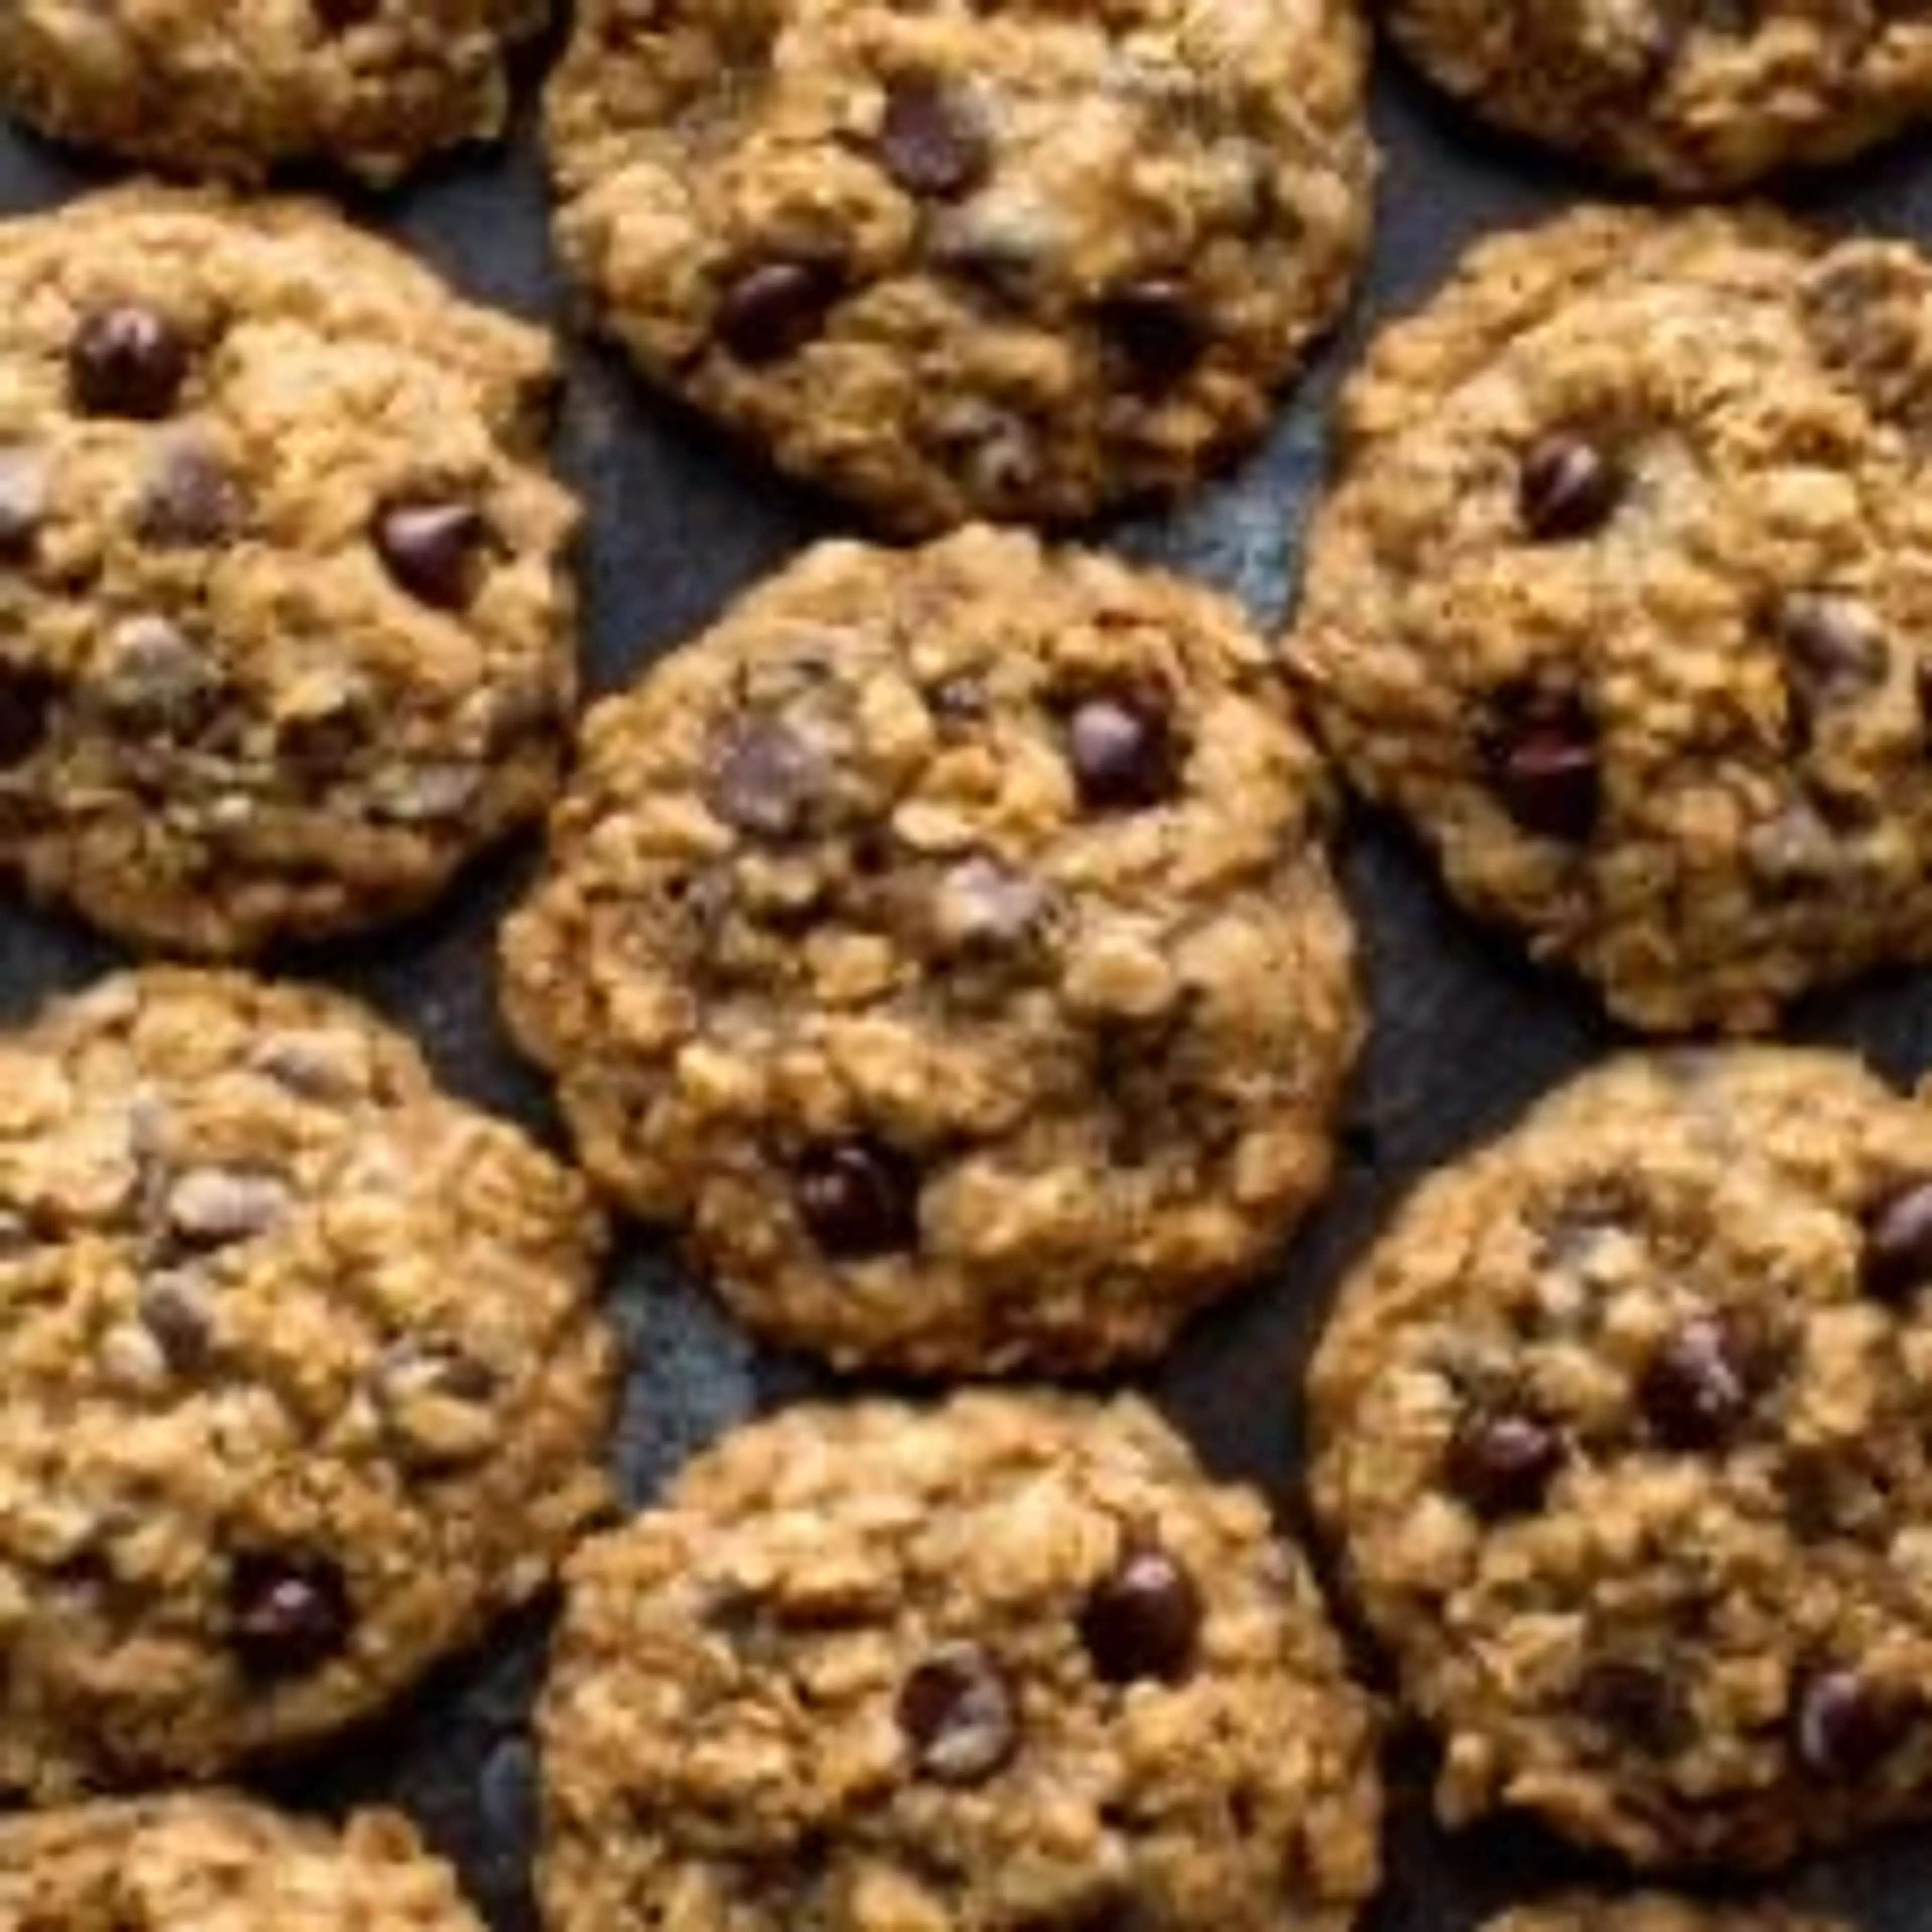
{"x":1617,"y":594}
{"x":285,"y":633}
{"x":1023,"y":262}
{"x":235,"y":89}
{"x":1013,"y":1662}
{"x":221,"y":1864}
{"x":945,"y":943}
{"x":1620,"y":1431}
{"x":300,"y":1380}
{"x":1694,"y":96}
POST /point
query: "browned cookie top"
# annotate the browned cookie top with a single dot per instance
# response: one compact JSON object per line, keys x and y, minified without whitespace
{"x":1008,"y":1664}
{"x":285,"y":632}
{"x":957,"y":259}
{"x":1622,"y":1432}
{"x":1619,"y":595}
{"x":1696,"y":96}
{"x":300,"y":1377}
{"x":945,"y":942}
{"x":217,"y":1863}
{"x":235,"y":88}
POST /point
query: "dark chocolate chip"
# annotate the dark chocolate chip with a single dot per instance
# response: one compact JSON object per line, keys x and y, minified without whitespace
{"x":1898,"y":1243}
{"x":1548,"y":774}
{"x":338,"y":16}
{"x":27,"y":699}
{"x":287,"y":1615}
{"x":771,"y":310}
{"x":127,"y":361}
{"x":1157,"y":329}
{"x":1696,"y":1386}
{"x":1830,"y":646}
{"x":1122,"y":751}
{"x":859,"y":1200}
{"x":932,"y":139}
{"x":1641,"y":1705}
{"x":958,"y":1716}
{"x":1144,"y":1621}
{"x":1843,"y":1728}
{"x":192,"y":500}
{"x":174,"y":1311}
{"x":1567,"y":486}
{"x":23,"y":502}
{"x":764,"y":779}
{"x":434,"y":549}
{"x":1502,"y":1462}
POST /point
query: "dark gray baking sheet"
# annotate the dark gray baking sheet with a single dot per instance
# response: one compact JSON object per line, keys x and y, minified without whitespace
{"x":1464,"y":1034}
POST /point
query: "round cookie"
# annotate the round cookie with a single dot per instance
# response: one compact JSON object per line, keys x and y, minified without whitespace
{"x":223,"y":1864}
{"x":369,"y":86}
{"x":1621,"y":1430}
{"x":1010,"y":1663}
{"x":300,"y":1380}
{"x":1617,"y":594}
{"x":1652,"y":1912}
{"x":285,"y":632}
{"x":945,"y":943}
{"x":1694,"y":99}
{"x":954,"y":260}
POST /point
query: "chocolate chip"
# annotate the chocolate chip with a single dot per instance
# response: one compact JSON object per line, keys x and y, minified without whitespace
{"x":958,"y":1717}
{"x":764,"y":779}
{"x":27,"y":699}
{"x":216,"y":1207}
{"x":174,"y":1311}
{"x":1547,"y":773}
{"x":127,"y":361}
{"x":433,"y":548}
{"x":287,"y":1615}
{"x":338,"y":16}
{"x":1843,"y":1728}
{"x":981,"y":906}
{"x":192,"y":499}
{"x":859,"y":1200}
{"x":1144,"y":1621}
{"x":771,"y":310}
{"x":1567,"y":486}
{"x":1122,"y":751}
{"x":23,"y":502}
{"x":1898,"y":1244}
{"x":1502,"y":1462}
{"x":932,"y":140}
{"x":1640,"y":1705}
{"x":1696,"y":1386}
{"x":1155,"y":326}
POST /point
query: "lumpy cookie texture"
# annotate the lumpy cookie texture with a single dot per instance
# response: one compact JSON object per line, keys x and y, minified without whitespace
{"x":301,"y":1380}
{"x":235,"y":89}
{"x":1617,"y":594}
{"x":1694,"y":96}
{"x":222,"y":1865}
{"x":945,"y":942}
{"x":1620,"y":1431}
{"x":1010,"y":1664}
{"x":1017,"y":261}
{"x":285,"y":634}
{"x":1653,"y":1911}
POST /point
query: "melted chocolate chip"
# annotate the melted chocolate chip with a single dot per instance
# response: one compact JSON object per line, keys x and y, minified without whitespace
{"x":932,"y":140}
{"x":958,"y":1717}
{"x":27,"y":700}
{"x":764,"y":779}
{"x":1122,"y":751}
{"x":23,"y":503}
{"x":287,"y":1615}
{"x":1502,"y":1462}
{"x":772,"y":309}
{"x":432,"y":549}
{"x":1547,"y":772}
{"x":128,"y":361}
{"x":1843,"y":1728}
{"x":859,"y":1200}
{"x":1696,"y":1386}
{"x":1144,"y":1621}
{"x":1898,"y":1244}
{"x":192,"y":500}
{"x":1155,"y":326}
{"x":1567,"y":486}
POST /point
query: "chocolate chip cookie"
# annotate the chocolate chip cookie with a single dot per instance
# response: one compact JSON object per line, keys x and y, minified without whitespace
{"x":1622,"y":1430}
{"x":300,"y":1378}
{"x":1009,"y":1663}
{"x":370,"y":86}
{"x":285,"y":634}
{"x":1693,"y":96}
{"x":945,"y":943}
{"x":1618,"y":595}
{"x":1021,"y":261}
{"x":222,"y":1865}
{"x":1652,"y":1912}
